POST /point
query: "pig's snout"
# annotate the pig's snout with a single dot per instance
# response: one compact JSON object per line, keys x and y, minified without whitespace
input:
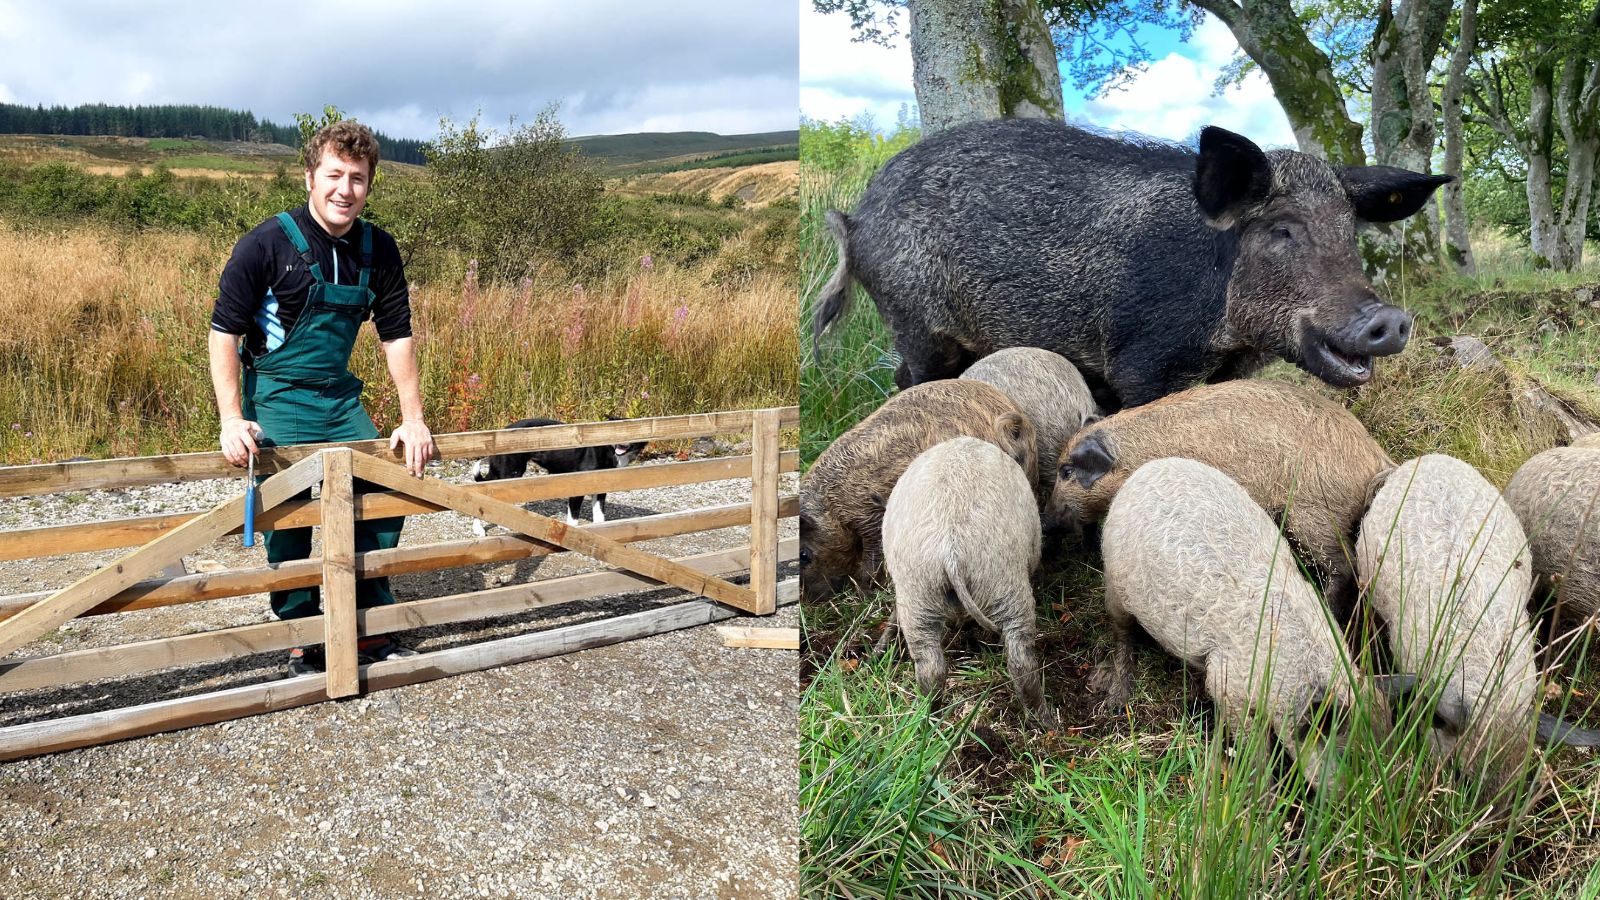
{"x":1382,"y":333}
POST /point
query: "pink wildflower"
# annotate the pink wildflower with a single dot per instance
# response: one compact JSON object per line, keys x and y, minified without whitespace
{"x":646,"y":263}
{"x":679,"y":316}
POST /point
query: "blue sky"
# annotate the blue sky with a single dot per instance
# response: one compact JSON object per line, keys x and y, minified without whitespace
{"x":1172,"y":99}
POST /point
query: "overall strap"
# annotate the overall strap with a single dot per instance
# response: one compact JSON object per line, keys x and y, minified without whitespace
{"x":366,"y":251}
{"x":286,"y":222}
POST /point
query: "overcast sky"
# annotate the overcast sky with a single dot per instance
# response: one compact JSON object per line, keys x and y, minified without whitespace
{"x":1172,"y":99}
{"x":398,"y":65}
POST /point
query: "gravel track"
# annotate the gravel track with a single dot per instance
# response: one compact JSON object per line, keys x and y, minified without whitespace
{"x":662,"y":767}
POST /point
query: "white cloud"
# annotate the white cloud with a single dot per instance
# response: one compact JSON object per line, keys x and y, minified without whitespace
{"x":842,"y":79}
{"x":1173,"y":99}
{"x":402,"y":63}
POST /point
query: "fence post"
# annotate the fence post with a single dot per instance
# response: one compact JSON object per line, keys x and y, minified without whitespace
{"x":764,"y":510}
{"x":339,"y":573}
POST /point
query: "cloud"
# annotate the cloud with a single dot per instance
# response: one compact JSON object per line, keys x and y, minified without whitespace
{"x":1173,"y":99}
{"x":401,"y":64}
{"x":842,"y":79}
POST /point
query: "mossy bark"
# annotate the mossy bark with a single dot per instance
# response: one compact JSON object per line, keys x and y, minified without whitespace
{"x":1301,"y":75}
{"x":982,"y":59}
{"x":1404,"y":126}
{"x":1457,"y":242}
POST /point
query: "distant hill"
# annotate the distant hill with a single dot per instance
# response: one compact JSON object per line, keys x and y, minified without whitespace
{"x":186,"y":121}
{"x":624,"y":154}
{"x":629,"y":150}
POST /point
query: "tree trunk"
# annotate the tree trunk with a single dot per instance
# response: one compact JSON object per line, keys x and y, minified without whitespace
{"x":1578,"y":109}
{"x":1404,"y":45}
{"x":982,"y":59}
{"x":1301,"y":75}
{"x":1541,"y":146}
{"x":1457,"y":241}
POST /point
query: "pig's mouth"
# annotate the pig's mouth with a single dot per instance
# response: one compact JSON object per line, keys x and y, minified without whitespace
{"x":1323,"y":357}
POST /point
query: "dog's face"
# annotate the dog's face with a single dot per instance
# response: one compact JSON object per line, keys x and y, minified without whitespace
{"x":627,"y":453}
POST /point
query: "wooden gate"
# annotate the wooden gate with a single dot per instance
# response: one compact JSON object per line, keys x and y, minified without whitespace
{"x":133,"y":582}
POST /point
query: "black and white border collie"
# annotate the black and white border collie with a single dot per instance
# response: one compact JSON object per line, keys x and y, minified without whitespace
{"x":556,"y":462}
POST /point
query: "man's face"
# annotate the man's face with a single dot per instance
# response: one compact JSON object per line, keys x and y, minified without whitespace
{"x":338,"y":189}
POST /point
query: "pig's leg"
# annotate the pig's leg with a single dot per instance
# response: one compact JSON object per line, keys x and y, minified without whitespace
{"x":1022,"y":662}
{"x":891,"y":629}
{"x":929,"y":357}
{"x":1114,"y":675}
{"x":922,"y":624}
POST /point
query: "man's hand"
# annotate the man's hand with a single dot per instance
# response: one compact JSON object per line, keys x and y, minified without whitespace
{"x":239,"y":439}
{"x":418,"y":441}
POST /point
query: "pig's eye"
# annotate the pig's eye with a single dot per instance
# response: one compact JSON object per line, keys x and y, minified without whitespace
{"x":1282,"y":234}
{"x":1064,"y":473}
{"x":805,"y":556}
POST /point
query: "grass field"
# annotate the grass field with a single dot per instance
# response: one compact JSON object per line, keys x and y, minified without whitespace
{"x":901,"y":800}
{"x":102,"y":343}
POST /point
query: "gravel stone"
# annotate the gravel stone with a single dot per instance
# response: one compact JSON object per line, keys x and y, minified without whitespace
{"x":534,"y":780}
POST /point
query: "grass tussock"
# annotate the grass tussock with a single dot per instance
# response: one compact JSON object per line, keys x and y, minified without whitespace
{"x":757,"y":185}
{"x":103,"y":344}
{"x":1423,"y":402}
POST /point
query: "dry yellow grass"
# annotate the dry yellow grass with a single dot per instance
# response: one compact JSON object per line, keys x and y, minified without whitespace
{"x":102,"y":345}
{"x":214,"y":174}
{"x":756,"y":185}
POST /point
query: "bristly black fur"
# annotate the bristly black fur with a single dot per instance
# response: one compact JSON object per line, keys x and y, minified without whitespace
{"x":1031,"y":233}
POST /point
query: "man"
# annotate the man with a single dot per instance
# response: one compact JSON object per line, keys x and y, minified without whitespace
{"x":290,"y":303}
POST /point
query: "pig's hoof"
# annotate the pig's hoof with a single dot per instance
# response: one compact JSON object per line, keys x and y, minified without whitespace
{"x":1101,"y":679}
{"x":1049,"y":720}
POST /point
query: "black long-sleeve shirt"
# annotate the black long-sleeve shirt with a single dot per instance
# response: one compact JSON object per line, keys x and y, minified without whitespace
{"x":265,"y":284}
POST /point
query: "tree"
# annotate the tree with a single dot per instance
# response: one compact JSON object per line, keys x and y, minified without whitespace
{"x":1541,"y":92}
{"x":507,"y":200}
{"x":970,"y":59}
{"x":1452,"y":197}
{"x":1270,"y":32}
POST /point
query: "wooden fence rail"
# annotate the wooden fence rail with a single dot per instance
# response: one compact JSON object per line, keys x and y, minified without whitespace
{"x":49,"y":478}
{"x":54,"y":540}
{"x":126,"y":584}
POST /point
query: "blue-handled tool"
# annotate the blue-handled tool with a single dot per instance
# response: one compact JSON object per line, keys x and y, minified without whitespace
{"x":250,"y":503}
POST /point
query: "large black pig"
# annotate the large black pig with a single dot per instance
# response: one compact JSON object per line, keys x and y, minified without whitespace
{"x":1150,"y":266}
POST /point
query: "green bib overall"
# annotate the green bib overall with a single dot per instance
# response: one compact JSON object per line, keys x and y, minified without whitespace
{"x":303,"y":392}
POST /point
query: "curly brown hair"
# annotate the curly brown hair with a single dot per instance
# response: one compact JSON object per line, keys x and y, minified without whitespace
{"x":348,"y":139}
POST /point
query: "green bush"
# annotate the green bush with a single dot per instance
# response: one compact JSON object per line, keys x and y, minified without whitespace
{"x":507,"y":200}
{"x":58,"y":189}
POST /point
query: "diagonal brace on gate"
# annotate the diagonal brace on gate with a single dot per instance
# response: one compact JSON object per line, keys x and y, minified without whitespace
{"x":509,"y":515}
{"x":52,"y":611}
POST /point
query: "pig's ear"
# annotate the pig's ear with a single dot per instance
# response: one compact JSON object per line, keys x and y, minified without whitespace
{"x":1018,"y":432}
{"x":1387,"y":194}
{"x":1231,"y":174}
{"x":1089,"y":461}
